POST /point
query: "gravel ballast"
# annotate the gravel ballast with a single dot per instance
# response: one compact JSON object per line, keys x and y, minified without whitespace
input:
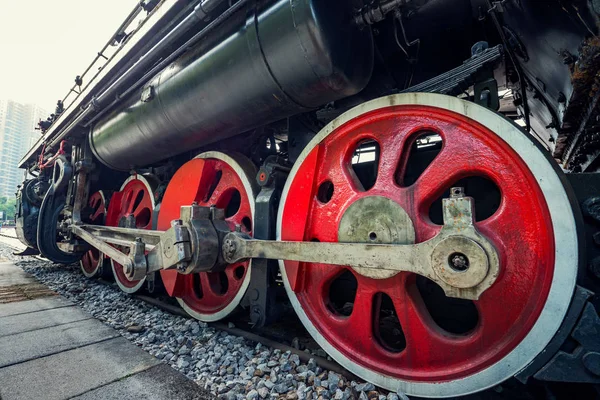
{"x":229,"y":366}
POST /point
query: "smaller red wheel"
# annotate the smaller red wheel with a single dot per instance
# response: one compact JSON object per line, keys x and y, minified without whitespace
{"x":212,"y":178}
{"x":134,"y":201}
{"x":92,"y":261}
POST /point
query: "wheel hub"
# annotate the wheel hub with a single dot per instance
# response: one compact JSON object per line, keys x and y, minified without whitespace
{"x":376,"y":219}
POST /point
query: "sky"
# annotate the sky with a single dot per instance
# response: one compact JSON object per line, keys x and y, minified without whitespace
{"x":45,"y":44}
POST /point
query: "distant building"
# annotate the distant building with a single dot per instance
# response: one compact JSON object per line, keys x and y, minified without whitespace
{"x":17,"y":135}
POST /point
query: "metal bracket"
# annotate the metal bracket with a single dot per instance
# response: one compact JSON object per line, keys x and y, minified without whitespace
{"x":261,"y":291}
{"x":138,"y":267}
{"x":191,"y":244}
{"x":583,"y":364}
{"x":579,"y":301}
{"x":486,"y":94}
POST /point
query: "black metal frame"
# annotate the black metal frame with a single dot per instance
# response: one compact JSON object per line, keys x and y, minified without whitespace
{"x":573,"y":355}
{"x":262,"y":290}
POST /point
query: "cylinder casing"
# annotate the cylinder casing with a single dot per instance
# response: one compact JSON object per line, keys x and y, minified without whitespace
{"x":288,"y":58}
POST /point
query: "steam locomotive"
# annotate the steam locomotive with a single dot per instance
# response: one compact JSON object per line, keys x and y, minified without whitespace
{"x":417,"y":179}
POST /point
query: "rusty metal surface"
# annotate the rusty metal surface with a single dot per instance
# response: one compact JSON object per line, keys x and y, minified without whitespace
{"x":431,"y":258}
{"x":28,"y":291}
{"x":16,"y":285}
{"x":578,"y":136}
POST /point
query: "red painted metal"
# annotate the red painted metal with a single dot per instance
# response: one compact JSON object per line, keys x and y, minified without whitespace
{"x":520,"y":229}
{"x":50,"y":161}
{"x":205,"y":293}
{"x":136,"y":200}
{"x":90,"y":260}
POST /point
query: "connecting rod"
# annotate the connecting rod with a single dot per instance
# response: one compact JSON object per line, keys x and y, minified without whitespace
{"x":459,"y":259}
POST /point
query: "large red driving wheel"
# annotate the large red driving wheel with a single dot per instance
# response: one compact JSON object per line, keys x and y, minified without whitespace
{"x":134,"y":200}
{"x":514,"y":319}
{"x":226,"y":182}
{"x":91,"y":261}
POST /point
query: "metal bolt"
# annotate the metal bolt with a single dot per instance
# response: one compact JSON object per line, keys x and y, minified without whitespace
{"x":591,"y":362}
{"x":594,"y":267}
{"x":176,"y":222}
{"x":457,"y":192}
{"x":229,"y":247}
{"x":459,"y":262}
{"x":597,"y":238}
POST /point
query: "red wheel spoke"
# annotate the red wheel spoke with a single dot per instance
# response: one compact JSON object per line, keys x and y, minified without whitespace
{"x":208,"y":293}
{"x":100,"y":211}
{"x":216,"y":197}
{"x":322,"y":274}
{"x":360,"y":322}
{"x":138,"y":208}
{"x":447,"y":168}
{"x":144,"y":204}
{"x":128,"y":207}
{"x":423,"y":337}
{"x":394,"y":151}
{"x":230,"y":271}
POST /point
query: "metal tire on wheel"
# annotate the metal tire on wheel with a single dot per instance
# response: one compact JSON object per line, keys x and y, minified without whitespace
{"x":212,"y":178}
{"x":91,"y":261}
{"x":533,"y":229}
{"x":136,"y":198}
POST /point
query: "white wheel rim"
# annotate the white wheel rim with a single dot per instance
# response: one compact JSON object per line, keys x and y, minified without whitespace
{"x":96,"y":268}
{"x":566,"y":253}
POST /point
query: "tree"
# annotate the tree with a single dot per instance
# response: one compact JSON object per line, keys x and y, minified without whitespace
{"x":8,"y":208}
